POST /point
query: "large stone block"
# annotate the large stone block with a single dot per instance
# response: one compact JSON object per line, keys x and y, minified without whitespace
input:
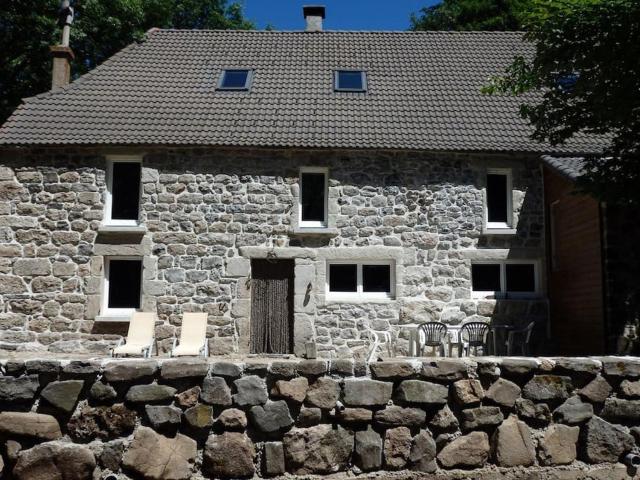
{"x":62,"y":395}
{"x":543,"y":388}
{"x":503,"y":392}
{"x":294,"y":390}
{"x":229,"y":455}
{"x":19,"y":390}
{"x":101,"y":422}
{"x":55,"y":460}
{"x":395,"y":416}
{"x":271,"y":417}
{"x":573,"y":411}
{"x":29,"y":267}
{"x":323,"y":393}
{"x":184,"y":368}
{"x":513,"y":444}
{"x":215,"y":391}
{"x":129,"y":370}
{"x":252,"y":390}
{"x":34,"y":426}
{"x":423,"y":452}
{"x":321,"y":449}
{"x":603,"y":442}
{"x":366,"y":393}
{"x":274,"y":458}
{"x":558,"y":446}
{"x":420,"y":392}
{"x":149,"y":394}
{"x":468,"y":392}
{"x":481,"y":417}
{"x":468,"y":451}
{"x":397,"y":447}
{"x":447,"y":369}
{"x":621,"y":410}
{"x":368,"y":449}
{"x":392,"y":369}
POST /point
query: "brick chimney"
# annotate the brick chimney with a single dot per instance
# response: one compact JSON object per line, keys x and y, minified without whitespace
{"x":313,"y":14}
{"x":62,"y":54}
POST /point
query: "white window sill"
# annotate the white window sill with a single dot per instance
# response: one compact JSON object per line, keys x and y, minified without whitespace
{"x":358,"y":299}
{"x":120,"y":228}
{"x":113,"y":318}
{"x":315,"y":231}
{"x":498,"y":231}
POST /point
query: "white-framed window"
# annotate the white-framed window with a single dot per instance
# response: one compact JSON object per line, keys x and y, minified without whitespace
{"x":121,"y":293}
{"x":499,"y":199}
{"x":505,"y":279}
{"x":350,"y":81}
{"x":122,"y":205}
{"x":314,"y":197}
{"x":235,"y":79}
{"x":362,"y":279}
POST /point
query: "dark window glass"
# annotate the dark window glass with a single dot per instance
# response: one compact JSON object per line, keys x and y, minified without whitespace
{"x":124,"y":283}
{"x":235,"y":79}
{"x":313,"y":197}
{"x":497,"y":198}
{"x":521,"y":278}
{"x":125,"y":191}
{"x":376,"y":278}
{"x":350,"y":80}
{"x":485,"y":278}
{"x":343,"y":278}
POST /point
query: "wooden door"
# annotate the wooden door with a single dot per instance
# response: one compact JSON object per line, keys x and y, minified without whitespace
{"x":271,"y":306}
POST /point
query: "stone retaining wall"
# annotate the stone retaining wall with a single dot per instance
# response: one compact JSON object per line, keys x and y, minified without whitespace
{"x":187,"y":418}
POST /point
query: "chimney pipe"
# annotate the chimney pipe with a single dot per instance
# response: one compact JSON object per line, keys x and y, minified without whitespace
{"x":313,"y":14}
{"x":62,"y":54}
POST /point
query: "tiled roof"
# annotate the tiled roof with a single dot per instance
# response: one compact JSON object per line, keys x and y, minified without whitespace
{"x":423,"y":93}
{"x":570,"y":167}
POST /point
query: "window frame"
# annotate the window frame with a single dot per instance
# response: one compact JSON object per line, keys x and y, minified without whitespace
{"x":359,"y":294}
{"x":503,"y":294}
{"x":336,"y":81}
{"x":108,"y":204}
{"x":247,"y":84}
{"x":118,"y":312}
{"x":508,"y":225}
{"x":314,"y":223}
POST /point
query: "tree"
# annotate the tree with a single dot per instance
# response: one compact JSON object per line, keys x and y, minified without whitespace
{"x":100,"y":28}
{"x":471,"y":15}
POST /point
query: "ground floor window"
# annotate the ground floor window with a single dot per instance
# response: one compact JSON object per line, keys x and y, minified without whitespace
{"x":505,"y":279}
{"x":122,"y":285}
{"x":361,"y":279}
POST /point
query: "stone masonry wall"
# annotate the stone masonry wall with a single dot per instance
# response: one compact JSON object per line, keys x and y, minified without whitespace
{"x":207,"y":213}
{"x":181,"y":419}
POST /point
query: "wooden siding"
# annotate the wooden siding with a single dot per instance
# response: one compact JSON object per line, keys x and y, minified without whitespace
{"x":574,"y":268}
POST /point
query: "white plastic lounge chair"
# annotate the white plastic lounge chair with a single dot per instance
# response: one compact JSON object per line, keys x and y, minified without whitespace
{"x":377,"y":339}
{"x":140,"y":336}
{"x":193,"y":336}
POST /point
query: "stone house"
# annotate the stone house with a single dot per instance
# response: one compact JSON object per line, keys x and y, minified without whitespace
{"x":299,"y":187}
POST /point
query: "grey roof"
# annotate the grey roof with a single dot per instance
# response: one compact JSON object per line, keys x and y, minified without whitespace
{"x":570,"y":167}
{"x":423,"y":93}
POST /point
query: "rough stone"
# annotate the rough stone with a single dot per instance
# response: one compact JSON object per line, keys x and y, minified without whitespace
{"x":513,"y":444}
{"x":152,"y":393}
{"x":156,"y":457}
{"x":534,"y":412}
{"x":423,"y":453}
{"x":81,"y":368}
{"x":309,"y":417}
{"x":199,"y":416}
{"x":578,"y":366}
{"x":444,"y":419}
{"x":229,"y":455}
{"x":467,"y":451}
{"x":627,"y":367}
{"x":129,"y":370}
{"x":392,"y":370}
{"x":320,"y":449}
{"x":480,"y":417}
{"x":163,"y":418}
{"x":312,"y":368}
{"x":419,"y":392}
{"x":542,"y":388}
{"x":368,"y":449}
{"x":573,"y":411}
{"x":397,"y":447}
{"x":215,"y":391}
{"x":252,"y":390}
{"x":294,"y":390}
{"x":468,"y":392}
{"x":233,"y":419}
{"x":102,"y":394}
{"x":621,"y":410}
{"x":366,"y":393}
{"x":226,"y":369}
{"x":189,"y":397}
{"x":55,"y":461}
{"x":323,"y":393}
{"x":630,"y":389}
{"x":446,"y":369}
{"x":356,"y":415}
{"x":35,"y":426}
{"x":101,"y":422}
{"x":503,"y":392}
{"x":111,"y":455}
{"x":31,"y":267}
{"x":603,"y":442}
{"x":394,"y":416}
{"x":558,"y":446}
{"x":597,"y":390}
{"x":178,"y":368}
{"x":274,"y":458}
{"x":62,"y":395}
{"x":19,"y":390}
{"x":271,"y":417}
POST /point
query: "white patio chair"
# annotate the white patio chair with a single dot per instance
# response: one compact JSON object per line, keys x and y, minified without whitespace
{"x":379,"y":338}
{"x":193,"y":336}
{"x":140,"y":336}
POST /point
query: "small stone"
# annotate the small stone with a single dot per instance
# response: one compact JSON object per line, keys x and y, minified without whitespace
{"x":356,"y":415}
{"x":55,"y":460}
{"x":102,"y":394}
{"x":189,"y":397}
{"x":309,"y":417}
{"x":35,"y":426}
{"x":446,"y":369}
{"x":111,"y":455}
{"x":397,"y":447}
{"x":504,"y":393}
{"x":226,"y":369}
{"x":603,"y":442}
{"x":178,"y":368}
{"x":468,"y":451}
{"x":558,"y":446}
{"x":543,"y":388}
{"x":621,"y":410}
{"x":423,"y":453}
{"x":18,"y":390}
{"x":252,"y":390}
{"x":537,"y":413}
{"x":294,"y":390}
{"x":199,"y":416}
{"x":228,"y":455}
{"x":312,"y":368}
{"x":233,"y":419}
{"x":480,"y":417}
{"x":468,"y":392}
{"x":513,"y":444}
{"x":12,"y":448}
{"x":320,"y":449}
{"x":366,"y":393}
{"x":597,"y":390}
{"x":163,"y":418}
{"x":130,"y":370}
{"x":444,"y":419}
{"x":391,"y":370}
{"x":573,"y":411}
{"x":630,"y":389}
{"x":368,"y":450}
{"x":323,"y":393}
{"x":419,"y":392}
{"x":152,"y":393}
{"x":62,"y":395}
{"x":177,"y":455}
{"x":215,"y":391}
{"x":394,"y":416}
{"x":271,"y":417}
{"x":274,"y":458}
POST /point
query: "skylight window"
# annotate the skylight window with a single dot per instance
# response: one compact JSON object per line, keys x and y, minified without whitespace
{"x":350,"y":81}
{"x":239,"y":79}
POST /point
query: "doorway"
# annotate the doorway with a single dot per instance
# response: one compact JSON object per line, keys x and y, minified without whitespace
{"x":271,"y":306}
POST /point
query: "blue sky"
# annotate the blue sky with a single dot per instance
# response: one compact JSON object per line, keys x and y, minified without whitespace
{"x":341,"y":14}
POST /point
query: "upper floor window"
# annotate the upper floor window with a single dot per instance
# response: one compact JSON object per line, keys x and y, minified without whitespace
{"x":122,"y":285}
{"x":123,"y":191}
{"x":505,"y":279}
{"x":350,"y":81}
{"x":499,"y":205}
{"x":238,"y":79}
{"x":313,"y":197}
{"x":362,"y":279}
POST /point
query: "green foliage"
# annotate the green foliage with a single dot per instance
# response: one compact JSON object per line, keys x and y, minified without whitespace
{"x":471,"y":15}
{"x":100,"y":29}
